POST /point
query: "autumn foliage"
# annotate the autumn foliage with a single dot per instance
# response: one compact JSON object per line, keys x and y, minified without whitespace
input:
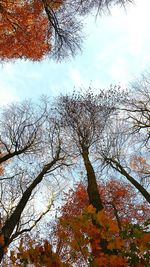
{"x":25,"y":31}
{"x":121,"y":224}
{"x":81,"y":244}
{"x":83,"y":237}
{"x":1,"y":170}
{"x":101,"y":224}
{"x":37,"y":254}
{"x":116,"y":195}
{"x":31,"y":29}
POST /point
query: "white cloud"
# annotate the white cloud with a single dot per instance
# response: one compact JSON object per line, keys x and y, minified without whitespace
{"x":77,"y":79}
{"x":8,"y":69}
{"x":119,"y":70}
{"x":7,"y":95}
{"x":124,"y":42}
{"x":34,"y":75}
{"x":8,"y":92}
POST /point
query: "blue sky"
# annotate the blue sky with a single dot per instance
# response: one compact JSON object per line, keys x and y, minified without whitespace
{"x":116,"y":50}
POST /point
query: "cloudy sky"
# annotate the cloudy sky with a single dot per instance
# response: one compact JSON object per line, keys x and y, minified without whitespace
{"x":116,"y":50}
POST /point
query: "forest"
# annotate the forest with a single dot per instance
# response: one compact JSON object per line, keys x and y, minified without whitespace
{"x":74,"y":169}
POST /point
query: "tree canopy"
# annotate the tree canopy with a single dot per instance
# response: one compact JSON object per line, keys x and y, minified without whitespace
{"x":37,"y":28}
{"x":93,"y":137}
{"x":75,"y":170}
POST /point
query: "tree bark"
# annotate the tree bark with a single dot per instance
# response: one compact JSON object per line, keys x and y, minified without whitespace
{"x":14,"y":153}
{"x":13,"y":220}
{"x":92,"y":189}
{"x":137,"y":185}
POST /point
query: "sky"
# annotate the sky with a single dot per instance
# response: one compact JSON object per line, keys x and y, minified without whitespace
{"x":116,"y":50}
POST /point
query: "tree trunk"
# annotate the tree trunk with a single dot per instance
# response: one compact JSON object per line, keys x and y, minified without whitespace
{"x":92,"y":189}
{"x":13,"y":154}
{"x":13,"y":220}
{"x":137,"y":185}
{"x":95,"y":200}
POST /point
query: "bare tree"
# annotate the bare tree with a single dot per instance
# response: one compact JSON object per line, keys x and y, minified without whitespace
{"x":138,"y":110}
{"x":84,"y":117}
{"x":127,"y":136}
{"x":31,"y":149}
{"x":63,"y":30}
{"x":21,"y":126}
{"x":66,"y":22}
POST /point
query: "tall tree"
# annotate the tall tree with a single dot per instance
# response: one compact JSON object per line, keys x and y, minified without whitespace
{"x":126,"y":141}
{"x":84,"y":117}
{"x":31,"y":148}
{"x":35,"y":28}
